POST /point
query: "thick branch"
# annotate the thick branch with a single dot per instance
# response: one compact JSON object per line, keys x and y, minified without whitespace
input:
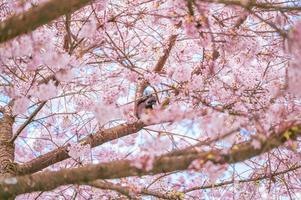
{"x":162,"y":60}
{"x":117,"y":169}
{"x":61,"y":154}
{"x":37,"y":16}
{"x":7,"y":167}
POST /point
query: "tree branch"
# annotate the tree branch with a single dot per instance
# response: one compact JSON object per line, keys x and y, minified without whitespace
{"x":21,"y":128}
{"x":158,"y":67}
{"x":128,"y":191}
{"x":37,"y":16}
{"x":244,"y":180}
{"x":49,"y":180}
{"x":61,"y":154}
{"x":250,"y":4}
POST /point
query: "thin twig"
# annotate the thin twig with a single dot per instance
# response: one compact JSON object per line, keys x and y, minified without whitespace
{"x":21,"y":128}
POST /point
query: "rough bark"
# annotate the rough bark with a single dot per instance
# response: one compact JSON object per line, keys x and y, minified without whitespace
{"x":37,"y":16}
{"x":94,"y":140}
{"x":117,"y":169}
{"x":7,"y":150}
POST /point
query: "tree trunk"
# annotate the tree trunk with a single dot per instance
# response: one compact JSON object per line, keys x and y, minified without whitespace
{"x":7,"y":149}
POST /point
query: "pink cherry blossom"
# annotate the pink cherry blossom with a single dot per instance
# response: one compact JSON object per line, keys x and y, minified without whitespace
{"x":225,"y":122}
{"x":256,"y":144}
{"x":144,"y":162}
{"x":76,"y":151}
{"x":20,"y":105}
{"x":88,"y":29}
{"x":106,"y":112}
{"x":47,"y":91}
